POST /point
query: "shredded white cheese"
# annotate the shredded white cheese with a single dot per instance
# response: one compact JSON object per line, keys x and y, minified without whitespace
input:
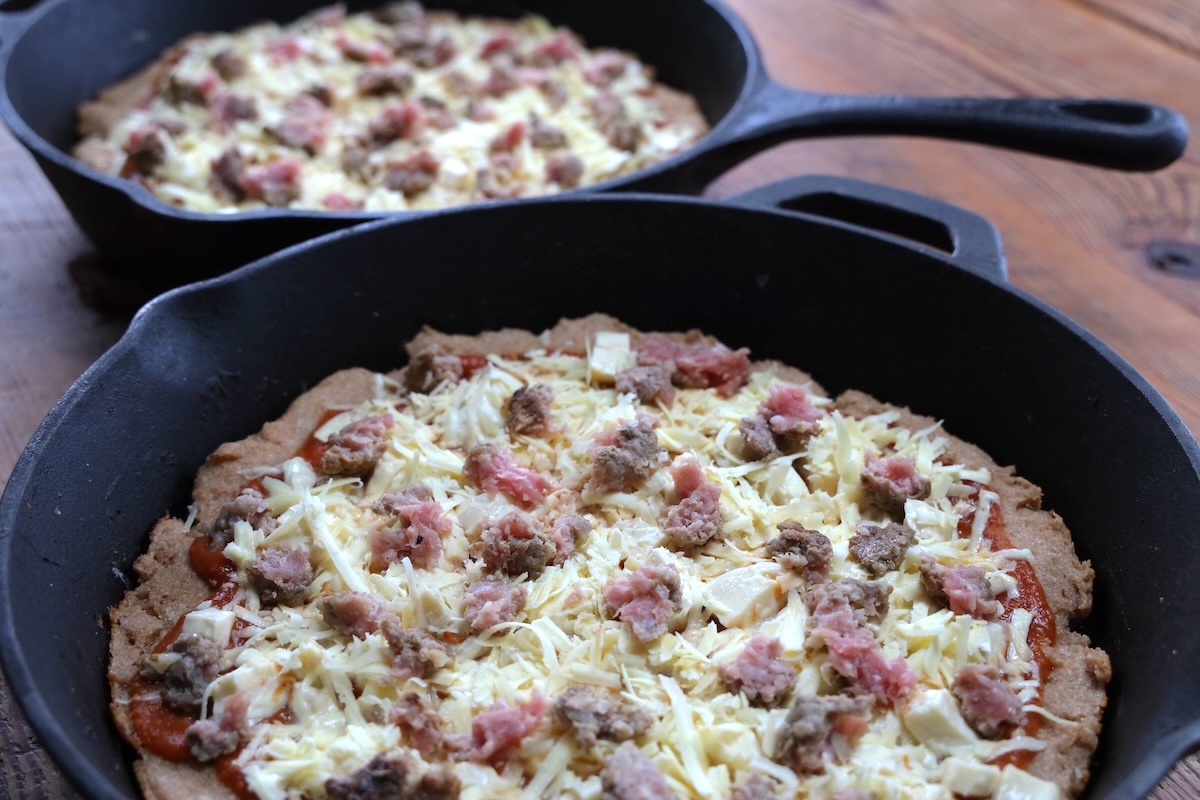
{"x":704,"y":738}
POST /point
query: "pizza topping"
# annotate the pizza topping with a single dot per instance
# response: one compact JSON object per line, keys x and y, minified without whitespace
{"x":249,"y":506}
{"x":646,"y":599}
{"x":493,"y":602}
{"x":355,"y":449}
{"x":758,"y":438}
{"x":509,"y":139}
{"x":591,"y":715}
{"x":228,"y":108}
{"x":146,"y":150}
{"x":208,"y":739}
{"x":650,"y":384}
{"x":867,"y":600}
{"x":528,"y":410}
{"x":281,"y":576}
{"x":624,"y":457}
{"x":499,"y":729}
{"x":989,"y":704}
{"x":420,"y":524}
{"x":362,"y":52}
{"x":545,"y":136}
{"x":854,"y":652}
{"x":192,"y":668}
{"x":804,"y":552}
{"x":820,"y":727}
{"x":760,"y":671}
{"x":790,"y":416}
{"x":426,"y":371}
{"x":352,"y":613}
{"x":697,"y":366}
{"x":755,"y":786}
{"x":568,"y":532}
{"x":305,"y":123}
{"x":881,"y":549}
{"x":888,"y":482}
{"x":182,"y":91}
{"x":515,"y":545}
{"x":494,"y":470}
{"x":226,"y":174}
{"x":695,"y":519}
{"x":415,"y":653}
{"x":964,"y":589}
{"x":564,"y":170}
{"x":613,"y":122}
{"x":396,"y":122}
{"x":629,"y":774}
{"x":228,"y":64}
{"x":408,"y":11}
{"x":380,"y":81}
{"x":418,"y":723}
{"x":394,"y":777}
{"x":554,"y":50}
{"x":275,"y":184}
{"x":413,"y":175}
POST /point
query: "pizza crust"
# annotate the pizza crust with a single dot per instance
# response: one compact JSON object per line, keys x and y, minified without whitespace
{"x":169,"y":588}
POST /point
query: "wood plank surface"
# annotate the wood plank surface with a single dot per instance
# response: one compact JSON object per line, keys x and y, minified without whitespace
{"x":1117,"y":252}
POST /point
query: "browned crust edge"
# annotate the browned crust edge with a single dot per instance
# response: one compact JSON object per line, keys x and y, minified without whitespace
{"x":169,"y":588}
{"x":1076,"y":688}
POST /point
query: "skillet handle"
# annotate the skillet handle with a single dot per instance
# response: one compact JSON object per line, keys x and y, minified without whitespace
{"x":963,"y":238}
{"x":1118,"y":134}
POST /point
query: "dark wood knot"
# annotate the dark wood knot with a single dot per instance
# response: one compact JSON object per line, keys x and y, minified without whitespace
{"x":1177,"y":258}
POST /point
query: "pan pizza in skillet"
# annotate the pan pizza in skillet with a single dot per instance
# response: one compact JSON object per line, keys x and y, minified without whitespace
{"x":385,"y":111}
{"x":602,"y":563}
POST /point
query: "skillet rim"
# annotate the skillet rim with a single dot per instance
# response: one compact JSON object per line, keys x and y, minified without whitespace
{"x":79,"y":770}
{"x":753,"y":80}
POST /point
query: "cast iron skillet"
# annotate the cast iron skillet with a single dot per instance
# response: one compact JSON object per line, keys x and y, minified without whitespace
{"x":63,"y":53}
{"x":929,"y":323}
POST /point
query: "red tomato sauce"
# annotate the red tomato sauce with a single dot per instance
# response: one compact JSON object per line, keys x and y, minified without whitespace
{"x":163,"y":731}
{"x":1030,"y":596}
{"x":160,"y":729}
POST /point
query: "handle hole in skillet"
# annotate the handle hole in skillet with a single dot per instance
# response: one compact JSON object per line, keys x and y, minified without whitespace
{"x":1117,"y":113}
{"x":877,"y":217}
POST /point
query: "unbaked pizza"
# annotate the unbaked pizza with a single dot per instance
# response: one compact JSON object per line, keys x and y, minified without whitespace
{"x":599,"y":563}
{"x":390,"y":110}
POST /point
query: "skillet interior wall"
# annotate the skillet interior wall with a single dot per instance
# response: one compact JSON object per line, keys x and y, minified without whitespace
{"x":214,"y":364}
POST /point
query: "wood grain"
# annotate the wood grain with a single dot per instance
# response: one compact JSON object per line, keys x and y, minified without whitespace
{"x":1111,"y":250}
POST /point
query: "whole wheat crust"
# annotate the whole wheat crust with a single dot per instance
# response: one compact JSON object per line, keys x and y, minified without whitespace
{"x":169,"y":588}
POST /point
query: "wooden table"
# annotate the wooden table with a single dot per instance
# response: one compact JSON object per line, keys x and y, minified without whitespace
{"x":1119,"y":253}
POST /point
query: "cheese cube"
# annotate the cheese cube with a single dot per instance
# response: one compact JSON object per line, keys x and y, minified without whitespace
{"x":1017,"y":784}
{"x":969,"y":778}
{"x":934,"y":719}
{"x":611,"y":353}
{"x":215,"y":623}
{"x":258,"y":677}
{"x":745,"y":595}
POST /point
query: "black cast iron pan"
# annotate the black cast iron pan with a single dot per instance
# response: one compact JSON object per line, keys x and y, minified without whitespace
{"x":929,"y":323}
{"x":61,"y":54}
